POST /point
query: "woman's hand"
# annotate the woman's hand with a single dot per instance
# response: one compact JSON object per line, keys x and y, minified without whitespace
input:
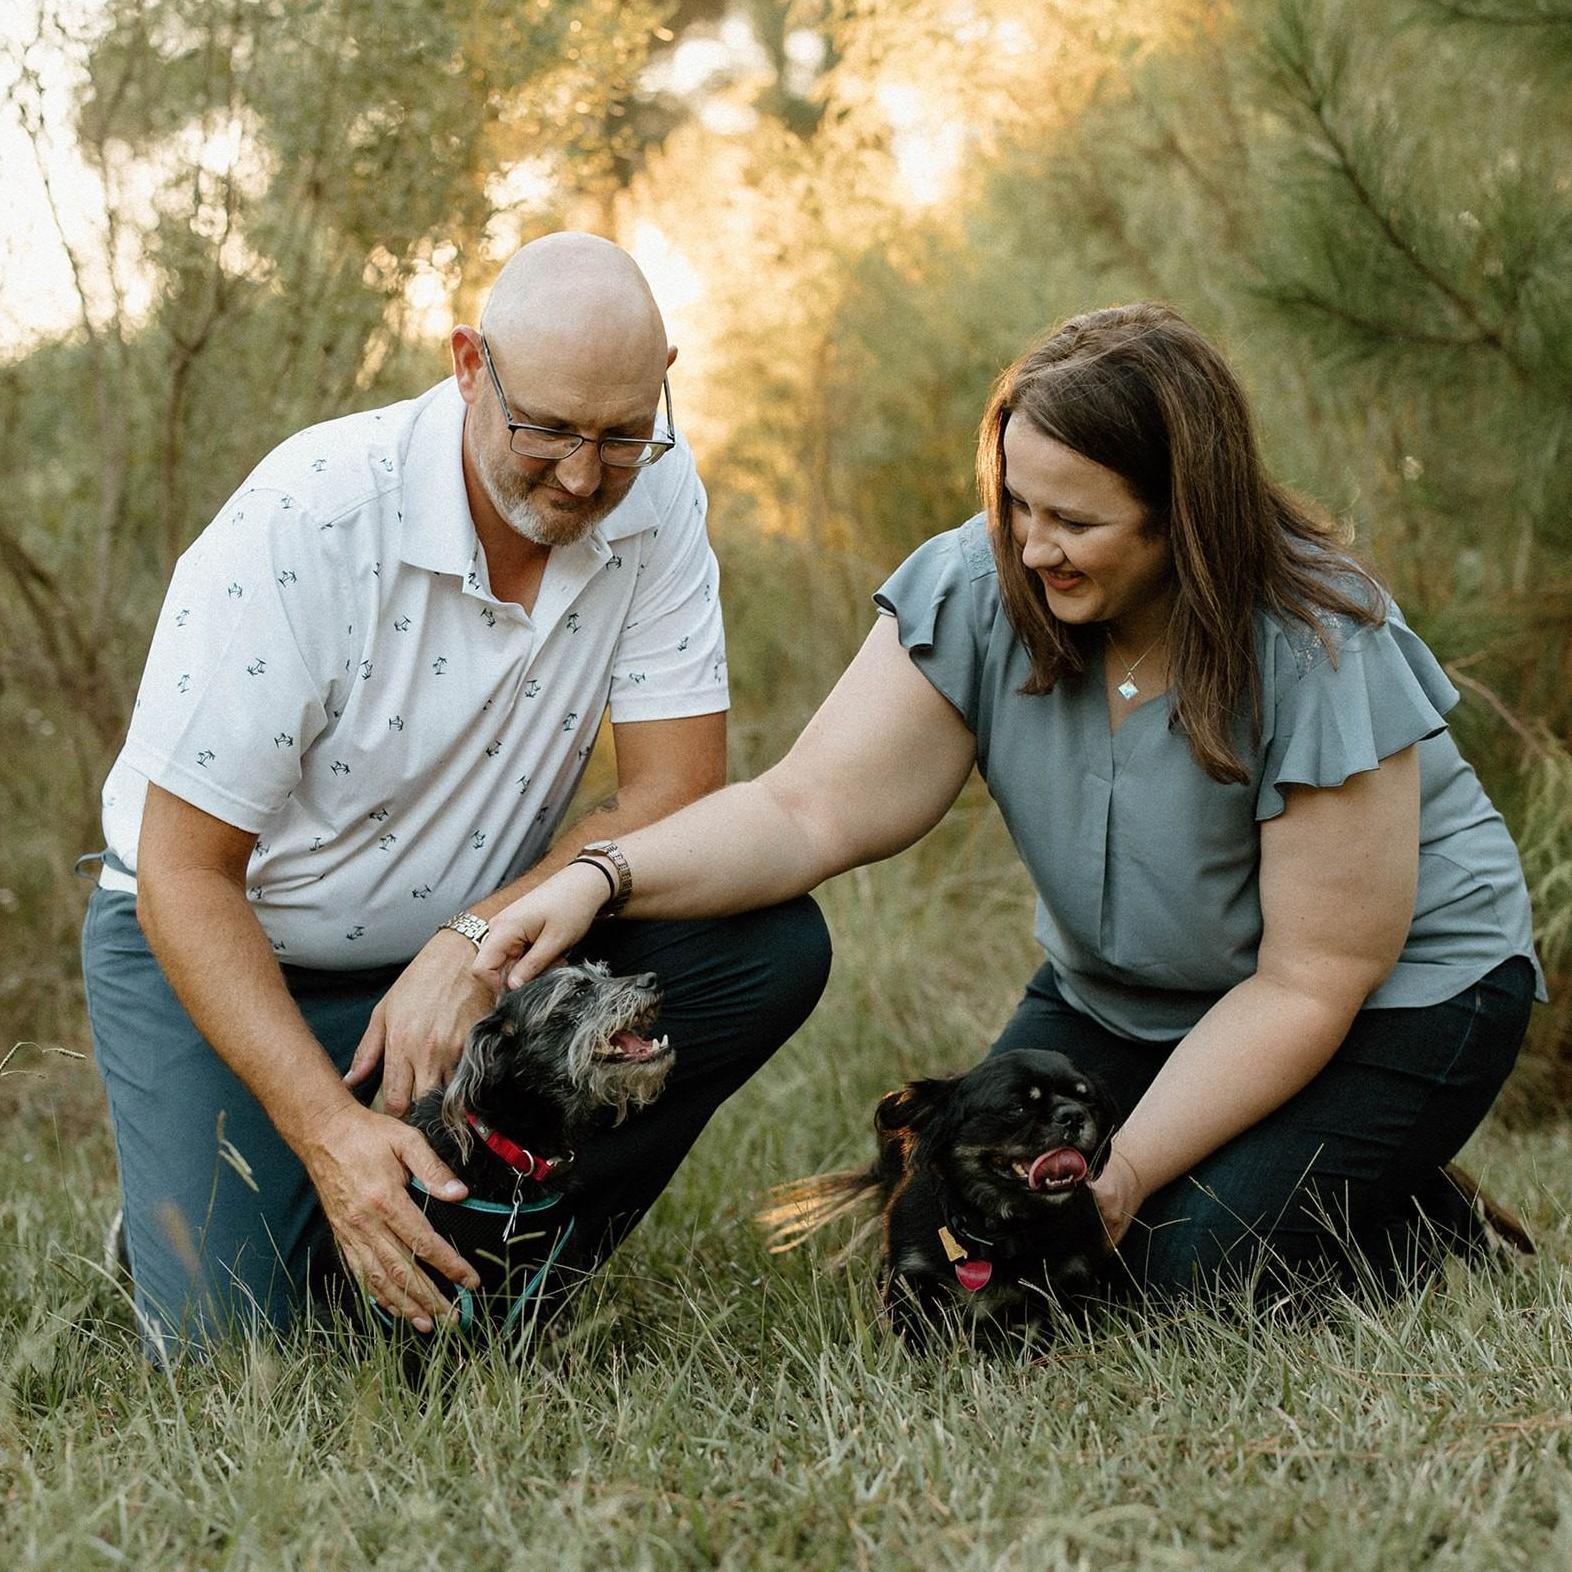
{"x":1119,"y":1194}
{"x":541,"y":927}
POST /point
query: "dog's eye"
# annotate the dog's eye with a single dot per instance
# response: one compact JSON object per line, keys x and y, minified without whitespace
{"x":1081,"y":1088}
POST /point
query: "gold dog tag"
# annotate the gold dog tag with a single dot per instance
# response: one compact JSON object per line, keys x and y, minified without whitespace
{"x":952,"y":1250}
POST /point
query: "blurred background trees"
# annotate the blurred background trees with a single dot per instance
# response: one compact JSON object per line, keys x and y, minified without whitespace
{"x":854,"y":212}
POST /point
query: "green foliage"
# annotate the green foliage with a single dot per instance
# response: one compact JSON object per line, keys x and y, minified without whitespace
{"x":309,"y":160}
{"x":1367,"y":205}
{"x":1439,"y":263}
{"x":1546,"y":843}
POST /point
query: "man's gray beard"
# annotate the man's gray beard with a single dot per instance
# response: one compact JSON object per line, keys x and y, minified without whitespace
{"x":523,"y":518}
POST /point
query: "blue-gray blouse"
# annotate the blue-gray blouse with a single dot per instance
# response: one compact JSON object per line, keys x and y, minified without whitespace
{"x":1146,"y":868}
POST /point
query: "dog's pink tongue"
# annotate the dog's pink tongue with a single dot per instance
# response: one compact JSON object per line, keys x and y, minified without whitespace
{"x":1063,"y":1164}
{"x":973,"y":1275}
{"x":631,"y":1046}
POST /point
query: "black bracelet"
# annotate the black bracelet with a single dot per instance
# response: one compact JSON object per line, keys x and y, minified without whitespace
{"x":610,"y":877}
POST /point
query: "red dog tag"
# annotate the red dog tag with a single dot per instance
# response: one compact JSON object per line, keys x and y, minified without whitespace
{"x":973,"y":1274}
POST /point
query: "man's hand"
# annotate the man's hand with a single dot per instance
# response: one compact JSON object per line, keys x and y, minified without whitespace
{"x":419,"y":1027}
{"x":360,"y":1162}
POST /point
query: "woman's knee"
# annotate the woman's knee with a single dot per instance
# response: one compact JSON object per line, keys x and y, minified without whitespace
{"x":1184,"y":1238}
{"x":1194,"y":1237}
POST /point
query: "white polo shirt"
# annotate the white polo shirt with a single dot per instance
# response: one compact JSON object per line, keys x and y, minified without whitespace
{"x":331,"y":671}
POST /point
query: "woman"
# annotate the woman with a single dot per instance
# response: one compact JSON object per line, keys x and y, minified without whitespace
{"x":1283,"y":923}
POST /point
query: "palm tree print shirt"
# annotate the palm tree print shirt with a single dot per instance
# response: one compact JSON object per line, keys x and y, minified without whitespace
{"x":331,"y":671}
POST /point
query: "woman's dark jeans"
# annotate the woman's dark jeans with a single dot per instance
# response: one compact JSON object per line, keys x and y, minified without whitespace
{"x":1343,"y":1181}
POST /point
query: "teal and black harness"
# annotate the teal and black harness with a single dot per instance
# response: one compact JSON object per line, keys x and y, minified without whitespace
{"x":512,"y":1244}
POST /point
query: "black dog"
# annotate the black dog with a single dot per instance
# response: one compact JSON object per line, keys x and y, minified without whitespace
{"x":981,"y":1183}
{"x":559,"y":1058}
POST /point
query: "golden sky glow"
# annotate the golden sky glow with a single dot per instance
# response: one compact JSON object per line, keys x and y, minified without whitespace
{"x":942,"y":81}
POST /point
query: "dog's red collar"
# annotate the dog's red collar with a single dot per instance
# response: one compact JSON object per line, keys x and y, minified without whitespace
{"x":515,"y":1156}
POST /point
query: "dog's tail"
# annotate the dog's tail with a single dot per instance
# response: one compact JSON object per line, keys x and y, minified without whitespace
{"x":1502,"y":1230}
{"x":804,"y":1206}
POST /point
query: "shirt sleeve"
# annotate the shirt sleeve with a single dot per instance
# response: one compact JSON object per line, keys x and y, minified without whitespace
{"x":243,"y":661}
{"x":670,"y":661}
{"x":933,"y":598}
{"x":1331,"y":719}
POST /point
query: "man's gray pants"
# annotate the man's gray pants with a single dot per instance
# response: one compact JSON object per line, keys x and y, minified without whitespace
{"x":221,"y":1220}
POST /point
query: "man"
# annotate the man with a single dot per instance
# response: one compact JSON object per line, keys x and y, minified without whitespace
{"x":371,"y":692}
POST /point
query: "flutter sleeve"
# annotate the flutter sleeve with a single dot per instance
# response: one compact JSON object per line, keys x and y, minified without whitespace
{"x":934,"y":597}
{"x":1331,"y":719}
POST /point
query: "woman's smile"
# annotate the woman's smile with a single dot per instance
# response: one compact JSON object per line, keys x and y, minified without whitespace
{"x":1063,"y":582}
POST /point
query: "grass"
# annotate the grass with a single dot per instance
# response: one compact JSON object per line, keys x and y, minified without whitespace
{"x":715,"y":1406}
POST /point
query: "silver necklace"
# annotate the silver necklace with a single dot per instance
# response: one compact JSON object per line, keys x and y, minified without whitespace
{"x":1128,"y":689}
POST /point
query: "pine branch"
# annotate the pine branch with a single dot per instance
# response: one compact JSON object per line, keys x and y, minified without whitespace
{"x":1485,"y":331}
{"x":1314,"y":99}
{"x":1378,"y":329}
{"x":1543,"y":15}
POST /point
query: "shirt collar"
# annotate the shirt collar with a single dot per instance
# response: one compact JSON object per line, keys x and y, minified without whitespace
{"x":436,"y":530}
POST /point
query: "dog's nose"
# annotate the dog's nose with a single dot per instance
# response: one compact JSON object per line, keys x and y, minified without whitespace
{"x":1072,"y":1119}
{"x":645,"y":980}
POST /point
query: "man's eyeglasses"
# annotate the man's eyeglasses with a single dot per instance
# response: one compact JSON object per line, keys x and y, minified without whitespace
{"x":547,"y":442}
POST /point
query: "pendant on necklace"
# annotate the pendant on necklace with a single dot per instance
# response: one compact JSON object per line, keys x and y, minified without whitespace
{"x":1128,"y":689}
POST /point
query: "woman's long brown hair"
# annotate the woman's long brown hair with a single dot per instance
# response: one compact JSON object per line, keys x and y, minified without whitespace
{"x":1137,"y":390}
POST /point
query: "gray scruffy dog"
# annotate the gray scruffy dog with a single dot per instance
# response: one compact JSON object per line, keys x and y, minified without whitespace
{"x":566,"y":1052}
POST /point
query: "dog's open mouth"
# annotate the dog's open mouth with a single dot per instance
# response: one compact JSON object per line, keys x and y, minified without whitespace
{"x":627,"y":1046}
{"x":1060,"y":1169}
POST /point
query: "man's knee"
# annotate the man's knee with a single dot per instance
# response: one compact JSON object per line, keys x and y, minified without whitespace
{"x":766,"y":967}
{"x":790,"y":945}
{"x":771,"y":969}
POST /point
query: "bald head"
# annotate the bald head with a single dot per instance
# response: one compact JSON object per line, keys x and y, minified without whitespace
{"x":575,"y":305}
{"x":578,"y":347}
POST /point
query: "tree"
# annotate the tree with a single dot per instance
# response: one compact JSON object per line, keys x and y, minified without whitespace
{"x":1366,"y":204}
{"x":308,"y":162}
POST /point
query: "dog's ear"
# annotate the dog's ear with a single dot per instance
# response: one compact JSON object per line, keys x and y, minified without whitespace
{"x":1106,"y":1111}
{"x":479,"y":1067}
{"x":891,"y":1113}
{"x":911,"y":1106}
